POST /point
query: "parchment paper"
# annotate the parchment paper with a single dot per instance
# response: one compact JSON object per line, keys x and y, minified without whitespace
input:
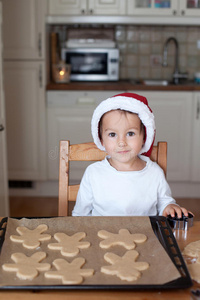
{"x":161,"y":269}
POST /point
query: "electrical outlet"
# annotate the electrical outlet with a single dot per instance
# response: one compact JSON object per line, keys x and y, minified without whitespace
{"x":156,"y":60}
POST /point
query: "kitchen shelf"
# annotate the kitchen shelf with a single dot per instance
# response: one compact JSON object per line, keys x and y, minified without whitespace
{"x":126,"y":20}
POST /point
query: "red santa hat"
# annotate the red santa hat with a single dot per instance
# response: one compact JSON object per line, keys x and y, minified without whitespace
{"x":130,"y":102}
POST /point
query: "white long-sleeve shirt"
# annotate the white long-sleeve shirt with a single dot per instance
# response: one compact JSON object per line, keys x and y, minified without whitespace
{"x":104,"y":191}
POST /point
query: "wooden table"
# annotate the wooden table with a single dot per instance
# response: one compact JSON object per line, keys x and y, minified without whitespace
{"x":183,"y":238}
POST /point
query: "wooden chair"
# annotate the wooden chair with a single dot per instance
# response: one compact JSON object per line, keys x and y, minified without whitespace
{"x":90,"y":152}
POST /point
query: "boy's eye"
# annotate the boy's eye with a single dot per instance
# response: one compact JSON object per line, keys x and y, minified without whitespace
{"x":112,"y":134}
{"x":131,"y":133}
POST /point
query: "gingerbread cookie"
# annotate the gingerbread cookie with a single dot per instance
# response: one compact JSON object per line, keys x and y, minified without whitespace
{"x":194,"y":270}
{"x":31,"y":238}
{"x":123,"y":238}
{"x":69,"y":245}
{"x":69,"y":273}
{"x":27,"y":267}
{"x":192,"y":249}
{"x":124,"y":267}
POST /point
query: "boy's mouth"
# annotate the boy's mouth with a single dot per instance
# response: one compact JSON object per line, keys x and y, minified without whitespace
{"x":123,"y":151}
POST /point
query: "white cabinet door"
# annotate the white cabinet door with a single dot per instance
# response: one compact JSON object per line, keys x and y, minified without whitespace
{"x":66,"y":125}
{"x":189,"y":8}
{"x":163,"y":8}
{"x":173,"y":116}
{"x":153,"y":8}
{"x":4,"y":203}
{"x":66,"y":7}
{"x":195,"y":155}
{"x":107,"y":7}
{"x":87,"y":7}
{"x":25,"y":118}
{"x":69,"y":116}
{"x":24,"y":29}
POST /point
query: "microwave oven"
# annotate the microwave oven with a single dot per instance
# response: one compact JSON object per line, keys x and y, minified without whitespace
{"x":92,"y":64}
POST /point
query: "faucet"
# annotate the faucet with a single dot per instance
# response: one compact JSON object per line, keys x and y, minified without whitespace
{"x":176,"y":75}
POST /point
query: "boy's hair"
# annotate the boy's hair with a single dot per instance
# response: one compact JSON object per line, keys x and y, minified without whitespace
{"x":142,"y":127}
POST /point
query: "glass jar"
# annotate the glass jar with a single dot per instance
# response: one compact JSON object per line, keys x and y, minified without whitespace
{"x":61,"y":72}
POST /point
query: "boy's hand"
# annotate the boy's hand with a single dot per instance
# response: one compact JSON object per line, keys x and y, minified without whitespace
{"x":171,"y":209}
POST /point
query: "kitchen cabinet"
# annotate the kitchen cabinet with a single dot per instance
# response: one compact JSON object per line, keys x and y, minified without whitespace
{"x":125,"y":7}
{"x":69,"y":117}
{"x":25,"y":118}
{"x":173,"y":117}
{"x":24,"y":29}
{"x":25,"y":82}
{"x":87,"y":7}
{"x":152,"y":7}
{"x":195,"y":152}
{"x":163,"y":7}
{"x":189,"y":8}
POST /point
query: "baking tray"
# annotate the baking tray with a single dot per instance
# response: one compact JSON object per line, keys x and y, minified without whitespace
{"x":164,"y":234}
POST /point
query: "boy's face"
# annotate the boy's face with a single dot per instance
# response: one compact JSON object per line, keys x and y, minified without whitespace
{"x":122,"y":136}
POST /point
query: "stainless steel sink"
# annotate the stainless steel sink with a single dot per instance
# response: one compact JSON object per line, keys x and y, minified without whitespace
{"x":156,"y":82}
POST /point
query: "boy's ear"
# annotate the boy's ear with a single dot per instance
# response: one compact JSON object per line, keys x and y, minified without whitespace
{"x":102,"y":143}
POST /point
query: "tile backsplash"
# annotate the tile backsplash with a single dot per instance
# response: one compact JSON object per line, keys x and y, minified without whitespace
{"x":141,"y":48}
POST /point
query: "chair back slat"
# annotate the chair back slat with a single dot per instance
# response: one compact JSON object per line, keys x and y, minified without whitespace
{"x":85,"y":152}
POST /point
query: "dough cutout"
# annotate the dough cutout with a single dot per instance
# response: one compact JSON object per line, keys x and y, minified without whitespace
{"x":27,"y":267}
{"x":69,"y":245}
{"x":192,"y":249}
{"x":194,"y":270}
{"x":31,"y":239}
{"x":125,"y":267}
{"x":69,"y":273}
{"x":123,"y":238}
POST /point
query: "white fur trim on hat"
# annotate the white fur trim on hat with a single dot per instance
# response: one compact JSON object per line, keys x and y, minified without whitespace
{"x":129,"y":104}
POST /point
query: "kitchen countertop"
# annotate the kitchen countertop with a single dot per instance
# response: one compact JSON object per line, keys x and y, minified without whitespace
{"x":121,"y":85}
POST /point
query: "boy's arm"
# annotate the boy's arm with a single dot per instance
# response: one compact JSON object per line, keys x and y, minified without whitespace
{"x":166,"y":203}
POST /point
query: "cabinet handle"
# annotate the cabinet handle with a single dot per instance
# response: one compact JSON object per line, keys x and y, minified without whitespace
{"x":182,"y":12}
{"x":198,"y":110}
{"x":83,"y":11}
{"x":91,"y":11}
{"x":174,"y":12}
{"x":40,"y":44}
{"x":40,"y":76}
{"x":1,"y":127}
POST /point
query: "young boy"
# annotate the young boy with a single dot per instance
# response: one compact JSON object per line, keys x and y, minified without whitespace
{"x":126,"y":182}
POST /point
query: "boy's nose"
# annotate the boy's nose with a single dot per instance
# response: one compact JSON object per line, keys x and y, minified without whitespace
{"x":122,"y":143}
